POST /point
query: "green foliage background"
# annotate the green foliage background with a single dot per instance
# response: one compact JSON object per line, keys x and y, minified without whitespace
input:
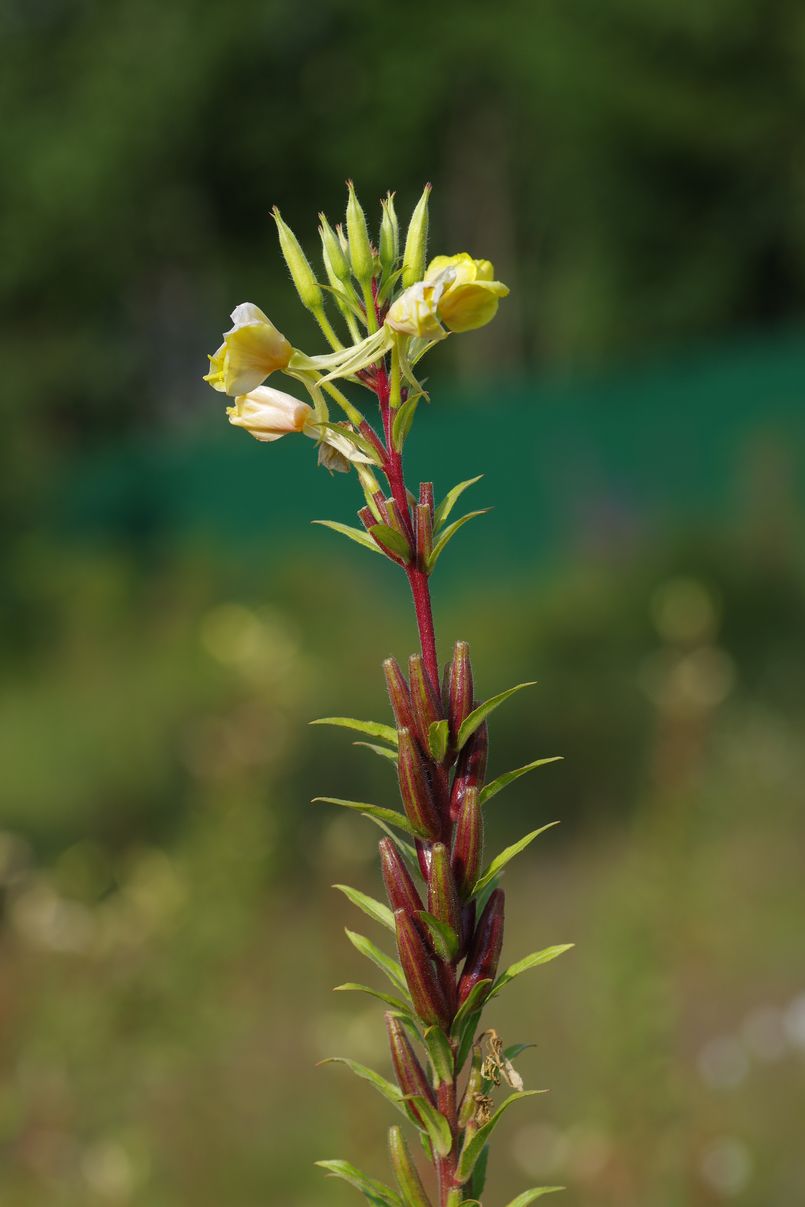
{"x":636,"y":170}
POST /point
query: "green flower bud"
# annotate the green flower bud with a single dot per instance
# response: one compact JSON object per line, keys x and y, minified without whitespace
{"x":416,"y":242}
{"x":301,"y":273}
{"x":360,"y":249}
{"x":389,"y":236}
{"x":443,"y":900}
{"x":333,"y":252}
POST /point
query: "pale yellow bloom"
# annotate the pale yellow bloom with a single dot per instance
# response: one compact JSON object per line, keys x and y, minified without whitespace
{"x":251,"y":350}
{"x":468,"y":295}
{"x":415,"y":311}
{"x":269,"y":414}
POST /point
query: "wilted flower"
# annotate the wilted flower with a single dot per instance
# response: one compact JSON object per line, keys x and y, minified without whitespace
{"x":467,"y":294}
{"x":269,"y":414}
{"x":415,"y":312}
{"x":251,"y":350}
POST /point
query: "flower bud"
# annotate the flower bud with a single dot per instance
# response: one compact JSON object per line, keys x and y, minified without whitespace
{"x":468,"y":845}
{"x":423,"y":858}
{"x":482,"y":961}
{"x":389,"y":235}
{"x":333,"y":252}
{"x":443,"y":900}
{"x":460,"y":688}
{"x":400,"y":888}
{"x":410,"y":1075}
{"x":397,"y":688}
{"x":405,"y":1172}
{"x":360,"y":249}
{"x":415,"y":790}
{"x":425,"y":702}
{"x":470,"y":768}
{"x":427,"y":995}
{"x":416,"y":242}
{"x":301,"y":273}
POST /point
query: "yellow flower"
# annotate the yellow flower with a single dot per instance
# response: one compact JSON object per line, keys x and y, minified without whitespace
{"x":467,"y":294}
{"x":251,"y":350}
{"x":415,"y":311}
{"x":269,"y":414}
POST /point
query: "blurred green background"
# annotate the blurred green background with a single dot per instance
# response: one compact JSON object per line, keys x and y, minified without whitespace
{"x":168,"y":938}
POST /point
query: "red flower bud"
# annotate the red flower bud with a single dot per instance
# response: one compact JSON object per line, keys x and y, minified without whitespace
{"x":415,"y":790}
{"x":468,"y":844}
{"x":425,"y":701}
{"x":399,"y":695}
{"x":423,"y":856}
{"x":443,"y":900}
{"x":470,"y":768}
{"x":459,"y":688}
{"x":482,"y":962}
{"x":411,"y":1077}
{"x":400,"y":888}
{"x":427,"y":994}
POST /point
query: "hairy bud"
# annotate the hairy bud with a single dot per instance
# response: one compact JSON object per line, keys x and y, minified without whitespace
{"x":405,"y":1172}
{"x":468,"y":845}
{"x":459,"y":688}
{"x":360,"y":249}
{"x":443,"y":900}
{"x":302,"y":274}
{"x":427,"y":994}
{"x":425,"y":701}
{"x":470,"y":768}
{"x":416,"y":242}
{"x":399,"y":696}
{"x":482,"y":961}
{"x":415,"y":790}
{"x":410,"y":1075}
{"x":400,"y":888}
{"x":389,"y":247}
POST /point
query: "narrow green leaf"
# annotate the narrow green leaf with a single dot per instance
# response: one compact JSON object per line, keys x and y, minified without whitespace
{"x":533,"y":961}
{"x":383,"y":751}
{"x":478,"y":1179}
{"x":466,"y":1038}
{"x":529,"y":1196}
{"x":447,"y":534}
{"x":514,"y":1050}
{"x":384,"y":1087}
{"x":376,"y":1192}
{"x":470,"y":1004}
{"x":375,"y":729}
{"x":392,"y":539}
{"x":479,"y":714}
{"x":355,"y":534}
{"x":474,"y":1144}
{"x":504,"y":857}
{"x":503,"y":781}
{"x":441,"y":1056}
{"x":391,"y":816}
{"x":436,"y":1125}
{"x":379,"y":958}
{"x":403,"y":419}
{"x":375,"y":909}
{"x":445,"y":939}
{"x":449,"y":501}
{"x":394,"y":1002}
{"x":437,"y":739}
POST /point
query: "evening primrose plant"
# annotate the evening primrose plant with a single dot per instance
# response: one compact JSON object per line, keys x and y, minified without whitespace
{"x":381,"y":308}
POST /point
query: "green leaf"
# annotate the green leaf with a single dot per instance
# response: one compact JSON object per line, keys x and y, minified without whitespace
{"x":466,"y":1039}
{"x":503,"y":781}
{"x":514,"y":1050}
{"x":528,"y":1196}
{"x":376,"y":1192}
{"x":533,"y":961}
{"x":449,"y":501}
{"x":384,"y":1087}
{"x":447,"y":534}
{"x":383,"y":751}
{"x":436,"y":1125}
{"x":403,"y":419}
{"x":393,"y":540}
{"x":355,"y":534}
{"x":391,"y":816}
{"x":479,"y":714}
{"x":375,"y":729}
{"x":474,"y":1144}
{"x":504,"y":857}
{"x":394,"y":1002}
{"x":441,"y":1056}
{"x":478,"y":1180}
{"x":375,"y":909}
{"x":471,"y":1003}
{"x":445,"y":939}
{"x":438,"y":732}
{"x":379,"y":958}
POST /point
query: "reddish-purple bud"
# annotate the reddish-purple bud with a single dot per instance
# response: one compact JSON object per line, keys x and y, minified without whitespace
{"x":424,"y":535}
{"x":459,"y":688}
{"x":443,"y":900}
{"x":415,"y":790}
{"x":423,"y":856}
{"x":411,"y":1077}
{"x":427,"y":994}
{"x":482,"y":961}
{"x":468,"y":844}
{"x":400,"y":888}
{"x":470,"y":768}
{"x":399,"y":695}
{"x":425,"y":702}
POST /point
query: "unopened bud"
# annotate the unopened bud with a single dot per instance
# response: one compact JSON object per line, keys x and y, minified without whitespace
{"x":482,"y":961}
{"x":416,"y":242}
{"x":400,"y":888}
{"x":410,"y":1075}
{"x":360,"y":249}
{"x":460,"y":688}
{"x":415,"y":790}
{"x":399,"y":696}
{"x":468,"y":846}
{"x":427,"y":995}
{"x":302,"y":274}
{"x":425,"y":702}
{"x":408,"y":1180}
{"x":443,"y":900}
{"x":389,"y":235}
{"x":333,"y":252}
{"x":470,"y":768}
